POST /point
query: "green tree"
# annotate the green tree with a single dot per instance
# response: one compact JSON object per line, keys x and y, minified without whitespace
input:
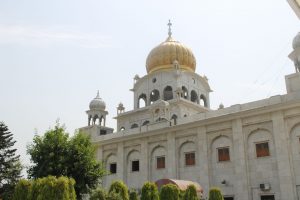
{"x":215,"y":194}
{"x":10,"y":166}
{"x":169,"y":192}
{"x":120,"y":189}
{"x":190,"y":193}
{"x":149,"y":191}
{"x":133,"y":195}
{"x":56,"y":154}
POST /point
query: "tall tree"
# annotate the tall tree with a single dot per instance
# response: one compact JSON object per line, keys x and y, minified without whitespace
{"x":56,"y":154}
{"x":10,"y":166}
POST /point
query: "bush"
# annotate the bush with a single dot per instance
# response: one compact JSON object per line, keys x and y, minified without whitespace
{"x":22,"y":190}
{"x":149,"y":192}
{"x":120,"y":189}
{"x":133,"y":195}
{"x":215,"y":194}
{"x":190,"y":193}
{"x":169,"y":192}
{"x":98,"y":194}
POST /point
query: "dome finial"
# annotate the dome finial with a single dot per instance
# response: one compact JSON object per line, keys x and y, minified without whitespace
{"x":170,"y":31}
{"x":98,"y":95}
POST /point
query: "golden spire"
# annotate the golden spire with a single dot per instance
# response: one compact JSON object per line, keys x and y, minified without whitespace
{"x":170,"y":31}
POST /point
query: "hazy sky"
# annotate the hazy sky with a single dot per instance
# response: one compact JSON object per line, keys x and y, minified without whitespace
{"x":55,"y":55}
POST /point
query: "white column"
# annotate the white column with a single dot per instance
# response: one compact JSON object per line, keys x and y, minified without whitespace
{"x":241,"y":184}
{"x":287,"y":189}
{"x":144,"y":161}
{"x":121,"y":164}
{"x":171,"y":158}
{"x":203,"y":160}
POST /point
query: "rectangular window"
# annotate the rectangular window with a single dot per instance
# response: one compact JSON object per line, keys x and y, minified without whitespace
{"x":267,"y":197}
{"x":190,"y":159}
{"x":135,"y":166}
{"x":113,"y":168}
{"x":223,"y":154}
{"x":160,"y":162}
{"x":228,"y":198}
{"x":262,"y":149}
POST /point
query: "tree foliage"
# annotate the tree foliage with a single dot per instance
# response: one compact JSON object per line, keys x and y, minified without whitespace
{"x":98,"y":194}
{"x":133,"y":195}
{"x":169,"y":192}
{"x":57,"y":154}
{"x":149,"y":191}
{"x":120,"y":189}
{"x":47,"y":188}
{"x":22,"y":190}
{"x":215,"y":194}
{"x":190,"y":193}
{"x":10,"y":166}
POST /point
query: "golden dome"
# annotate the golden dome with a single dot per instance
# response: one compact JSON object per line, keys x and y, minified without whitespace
{"x":163,"y":56}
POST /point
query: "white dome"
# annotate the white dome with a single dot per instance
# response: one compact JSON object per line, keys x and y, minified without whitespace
{"x":296,"y":41}
{"x":97,"y":103}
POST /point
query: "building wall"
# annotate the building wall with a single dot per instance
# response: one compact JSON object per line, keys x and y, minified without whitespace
{"x":243,"y":173}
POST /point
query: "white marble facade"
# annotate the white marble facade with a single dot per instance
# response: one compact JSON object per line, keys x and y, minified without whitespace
{"x":178,"y":122}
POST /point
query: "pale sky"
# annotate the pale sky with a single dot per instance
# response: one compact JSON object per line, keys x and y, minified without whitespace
{"x":55,"y":55}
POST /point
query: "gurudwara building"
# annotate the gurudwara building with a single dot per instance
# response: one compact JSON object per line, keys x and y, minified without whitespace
{"x":251,"y":151}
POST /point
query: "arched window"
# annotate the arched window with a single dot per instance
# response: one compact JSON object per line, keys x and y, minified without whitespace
{"x":142,"y":101}
{"x":145,"y":123}
{"x":174,"y":118}
{"x":194,"y":96}
{"x":122,"y":128}
{"x":154,"y":96}
{"x":134,"y":126}
{"x":185,"y":93}
{"x":168,"y":93}
{"x":203,"y":101}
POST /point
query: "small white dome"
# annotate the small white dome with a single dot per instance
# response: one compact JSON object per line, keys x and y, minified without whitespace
{"x":97,"y":103}
{"x":296,"y":41}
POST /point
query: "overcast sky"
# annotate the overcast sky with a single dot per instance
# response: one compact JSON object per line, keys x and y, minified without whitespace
{"x":55,"y":55}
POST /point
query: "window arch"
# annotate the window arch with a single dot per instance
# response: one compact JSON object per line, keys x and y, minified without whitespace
{"x":185,"y":92}
{"x":168,"y":93}
{"x":142,"y":100}
{"x":134,"y":126}
{"x":203,"y":101}
{"x":122,"y":128}
{"x":194,"y":96}
{"x":145,"y":123}
{"x":154,"y":96}
{"x":174,"y":118}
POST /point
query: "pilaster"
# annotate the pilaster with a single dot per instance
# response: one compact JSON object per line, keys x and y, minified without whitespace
{"x":171,"y":158}
{"x":144,"y":161}
{"x":287,"y":190}
{"x":203,"y":159}
{"x":241,"y":183}
{"x":121,"y":166}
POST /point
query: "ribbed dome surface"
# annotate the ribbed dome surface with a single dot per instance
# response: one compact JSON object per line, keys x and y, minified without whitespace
{"x":97,"y":103}
{"x":163,"y":56}
{"x":296,"y":41}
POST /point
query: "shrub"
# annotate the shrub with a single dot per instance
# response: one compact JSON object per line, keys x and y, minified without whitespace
{"x":120,"y":189}
{"x":215,"y":194}
{"x":47,"y":188}
{"x":98,"y":194}
{"x":149,"y":192}
{"x":169,"y":192}
{"x":22,"y":190}
{"x":133,"y":195}
{"x":114,"y":196}
{"x":190,"y":193}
